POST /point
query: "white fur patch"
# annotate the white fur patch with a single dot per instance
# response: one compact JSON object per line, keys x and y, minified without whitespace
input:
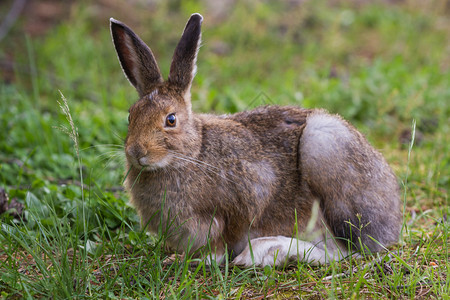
{"x":326,"y":123}
{"x":199,"y":41}
{"x":276,"y":250}
{"x":152,"y":94}
{"x":263,"y":186}
{"x":217,"y":258}
{"x":324,"y":134}
{"x":143,"y":161}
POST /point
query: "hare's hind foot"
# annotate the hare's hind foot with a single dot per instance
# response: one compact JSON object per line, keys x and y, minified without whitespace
{"x":277,"y":250}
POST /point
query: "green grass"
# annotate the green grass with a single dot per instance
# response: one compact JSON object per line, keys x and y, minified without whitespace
{"x":384,"y":67}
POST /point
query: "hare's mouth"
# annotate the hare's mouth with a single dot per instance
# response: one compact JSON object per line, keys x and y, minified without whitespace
{"x":149,"y":165}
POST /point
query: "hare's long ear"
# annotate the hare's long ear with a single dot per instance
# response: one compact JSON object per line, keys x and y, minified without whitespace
{"x":183,"y":67}
{"x":136,"y":58}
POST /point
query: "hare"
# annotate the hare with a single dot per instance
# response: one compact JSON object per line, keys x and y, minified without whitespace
{"x":266,"y":186}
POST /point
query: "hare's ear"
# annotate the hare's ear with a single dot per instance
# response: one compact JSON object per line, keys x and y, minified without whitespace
{"x":183,"y":67}
{"x":136,"y":58}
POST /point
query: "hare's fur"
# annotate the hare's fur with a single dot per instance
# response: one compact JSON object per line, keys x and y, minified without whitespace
{"x":267,"y":185}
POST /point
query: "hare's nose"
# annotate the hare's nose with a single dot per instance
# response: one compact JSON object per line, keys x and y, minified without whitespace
{"x":135,"y":151}
{"x":143,"y":161}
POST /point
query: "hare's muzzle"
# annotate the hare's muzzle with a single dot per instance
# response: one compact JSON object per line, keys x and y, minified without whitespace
{"x":140,"y":158}
{"x":135,"y":151}
{"x":136,"y":155}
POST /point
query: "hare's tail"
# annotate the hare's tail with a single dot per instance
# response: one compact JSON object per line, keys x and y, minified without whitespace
{"x":358,"y":191}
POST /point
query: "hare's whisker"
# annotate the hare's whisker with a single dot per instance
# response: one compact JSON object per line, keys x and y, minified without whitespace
{"x":206,"y":167}
{"x":201,"y":162}
{"x":201,"y":167}
{"x":104,"y":145}
{"x":118,"y":136}
{"x":193,"y":159}
{"x":109,"y":154}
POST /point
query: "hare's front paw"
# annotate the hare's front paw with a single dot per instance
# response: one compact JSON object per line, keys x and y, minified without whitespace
{"x":264,"y":251}
{"x":276,"y":250}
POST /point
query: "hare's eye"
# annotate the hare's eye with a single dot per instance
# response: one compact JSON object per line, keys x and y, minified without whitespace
{"x":171,"y":120}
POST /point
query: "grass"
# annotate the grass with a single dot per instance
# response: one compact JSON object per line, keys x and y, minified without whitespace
{"x":385,"y":67}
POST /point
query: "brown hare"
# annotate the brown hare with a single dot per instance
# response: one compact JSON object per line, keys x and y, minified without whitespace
{"x":267,"y":186}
